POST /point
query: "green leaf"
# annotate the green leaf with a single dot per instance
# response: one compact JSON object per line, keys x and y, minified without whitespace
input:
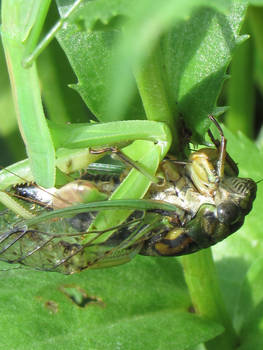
{"x":139,"y":305}
{"x":196,"y":38}
{"x":235,"y":254}
{"x":196,"y":54}
{"x":250,"y":307}
{"x":91,"y":61}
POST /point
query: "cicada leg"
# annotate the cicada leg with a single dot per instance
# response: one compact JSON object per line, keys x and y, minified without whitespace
{"x":220,"y":146}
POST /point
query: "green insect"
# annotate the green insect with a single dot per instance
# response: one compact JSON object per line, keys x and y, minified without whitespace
{"x":208,"y":202}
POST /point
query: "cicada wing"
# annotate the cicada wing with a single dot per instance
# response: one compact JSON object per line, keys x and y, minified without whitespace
{"x":59,"y":245}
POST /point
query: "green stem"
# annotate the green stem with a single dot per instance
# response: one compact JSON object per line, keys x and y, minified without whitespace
{"x":241,"y":91}
{"x":201,"y":278}
{"x":255,"y":16}
{"x":259,"y":141}
{"x":152,"y":90}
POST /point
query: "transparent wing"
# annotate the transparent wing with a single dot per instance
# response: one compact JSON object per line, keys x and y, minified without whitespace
{"x":64,"y":245}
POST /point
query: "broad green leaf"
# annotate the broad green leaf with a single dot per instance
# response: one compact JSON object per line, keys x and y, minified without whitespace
{"x":91,"y":60}
{"x":139,"y":305}
{"x":196,"y":46}
{"x":196,"y":54}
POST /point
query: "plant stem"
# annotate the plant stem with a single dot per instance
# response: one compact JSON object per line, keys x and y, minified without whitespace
{"x":255,"y":16}
{"x":152,"y":90}
{"x":201,"y":278}
{"x":241,"y":91}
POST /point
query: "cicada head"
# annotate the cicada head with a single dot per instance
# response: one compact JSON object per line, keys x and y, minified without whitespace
{"x":237,"y":193}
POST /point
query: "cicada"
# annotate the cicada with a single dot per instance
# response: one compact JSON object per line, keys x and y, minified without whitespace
{"x":195,"y":204}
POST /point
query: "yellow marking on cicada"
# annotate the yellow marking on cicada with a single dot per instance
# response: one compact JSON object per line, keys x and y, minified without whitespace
{"x":165,"y":248}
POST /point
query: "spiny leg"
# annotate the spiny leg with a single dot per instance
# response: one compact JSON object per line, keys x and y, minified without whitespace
{"x":222,"y":147}
{"x":127,"y":160}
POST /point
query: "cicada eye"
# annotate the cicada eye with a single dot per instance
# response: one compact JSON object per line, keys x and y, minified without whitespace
{"x":228,"y":213}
